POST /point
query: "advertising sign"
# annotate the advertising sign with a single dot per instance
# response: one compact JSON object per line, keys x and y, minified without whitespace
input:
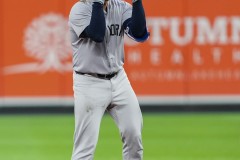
{"x":191,"y":57}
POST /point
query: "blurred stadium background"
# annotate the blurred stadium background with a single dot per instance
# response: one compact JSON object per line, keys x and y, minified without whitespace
{"x":186,"y":76}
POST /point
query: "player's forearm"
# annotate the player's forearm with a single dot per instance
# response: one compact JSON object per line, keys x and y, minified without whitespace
{"x":138,"y":24}
{"x":96,"y":29}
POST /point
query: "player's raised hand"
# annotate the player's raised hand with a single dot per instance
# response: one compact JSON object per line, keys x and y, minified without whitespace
{"x":99,"y":1}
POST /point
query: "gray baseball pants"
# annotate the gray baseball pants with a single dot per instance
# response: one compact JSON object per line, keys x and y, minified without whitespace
{"x":92,"y":96}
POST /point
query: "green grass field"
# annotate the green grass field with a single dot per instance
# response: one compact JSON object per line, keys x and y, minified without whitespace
{"x":165,"y":136}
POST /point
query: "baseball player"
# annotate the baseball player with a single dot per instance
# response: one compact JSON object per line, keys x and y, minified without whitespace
{"x":99,"y":81}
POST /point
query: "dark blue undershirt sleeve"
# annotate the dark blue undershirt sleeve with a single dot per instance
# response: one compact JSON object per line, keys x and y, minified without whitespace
{"x":137,"y":23}
{"x":96,"y":29}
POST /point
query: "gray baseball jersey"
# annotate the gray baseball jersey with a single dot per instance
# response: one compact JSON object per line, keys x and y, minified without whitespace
{"x":92,"y":57}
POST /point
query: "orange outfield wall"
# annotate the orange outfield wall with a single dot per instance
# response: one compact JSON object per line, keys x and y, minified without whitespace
{"x":193,"y":50}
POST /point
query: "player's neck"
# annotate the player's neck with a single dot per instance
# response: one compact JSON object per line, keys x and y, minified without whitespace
{"x":105,"y":9}
{"x":105,"y":6}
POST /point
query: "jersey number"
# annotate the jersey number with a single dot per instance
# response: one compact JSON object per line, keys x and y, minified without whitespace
{"x":115,"y":30}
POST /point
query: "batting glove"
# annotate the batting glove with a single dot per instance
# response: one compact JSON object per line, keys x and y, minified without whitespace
{"x":99,"y":1}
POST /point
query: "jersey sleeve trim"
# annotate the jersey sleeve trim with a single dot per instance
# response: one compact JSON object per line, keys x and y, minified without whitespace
{"x":137,"y":39}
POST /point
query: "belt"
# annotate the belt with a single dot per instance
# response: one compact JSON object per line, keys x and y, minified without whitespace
{"x":101,"y":76}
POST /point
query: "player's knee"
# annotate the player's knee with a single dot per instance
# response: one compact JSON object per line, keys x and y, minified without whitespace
{"x":131,"y":133}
